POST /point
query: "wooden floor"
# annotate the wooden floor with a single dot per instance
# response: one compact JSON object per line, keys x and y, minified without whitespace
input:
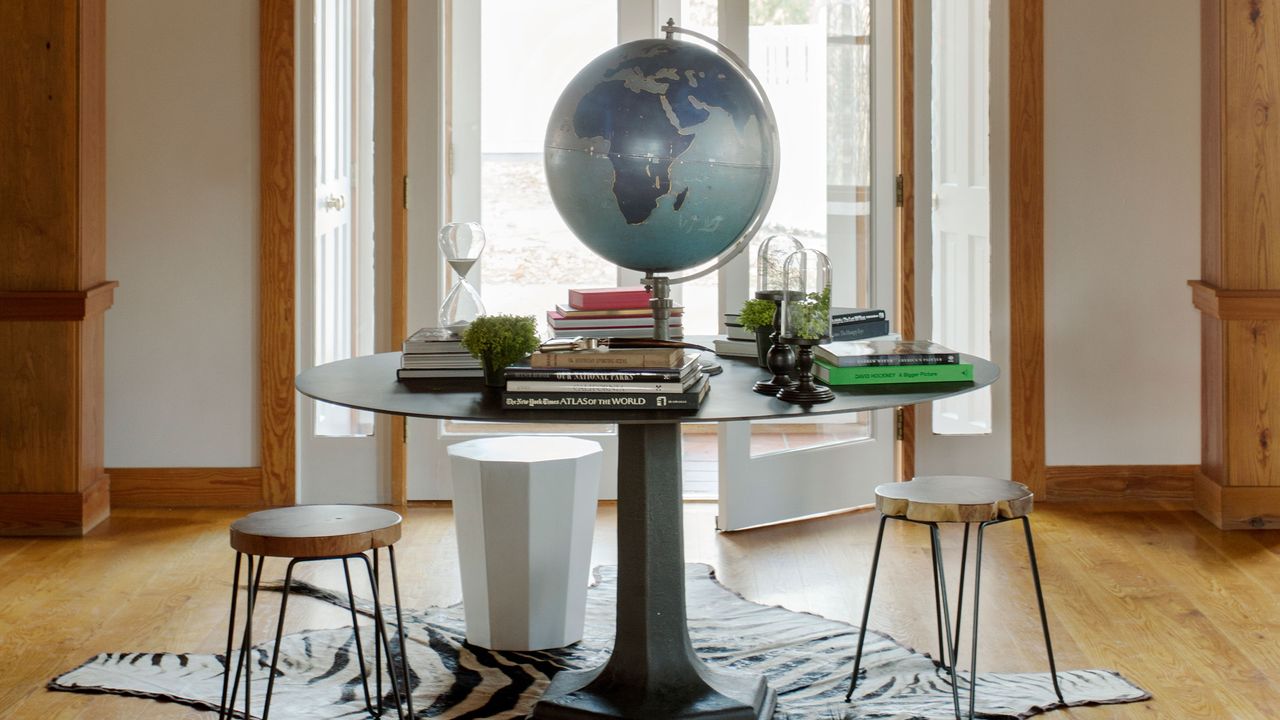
{"x":1188,"y":612}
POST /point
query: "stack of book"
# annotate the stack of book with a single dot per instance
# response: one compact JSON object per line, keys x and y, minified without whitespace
{"x":618,"y":379}
{"x":846,"y":324}
{"x":737,"y":342}
{"x":609,"y":312}
{"x":883,"y":362}
{"x":857,"y":324}
{"x":437,"y":353}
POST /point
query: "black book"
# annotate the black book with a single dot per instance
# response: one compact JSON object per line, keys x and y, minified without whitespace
{"x":689,"y":400}
{"x":860,"y":330}
{"x":606,"y":375}
{"x":848,"y":316}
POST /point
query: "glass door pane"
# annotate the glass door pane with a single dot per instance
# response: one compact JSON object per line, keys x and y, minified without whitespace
{"x":814,"y":60}
{"x":529,"y":53}
{"x":342,"y":254}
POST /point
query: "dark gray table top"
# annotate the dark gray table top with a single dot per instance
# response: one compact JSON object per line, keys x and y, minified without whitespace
{"x":369,"y":383}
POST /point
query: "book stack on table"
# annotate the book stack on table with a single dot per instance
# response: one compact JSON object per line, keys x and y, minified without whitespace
{"x":846,"y":324}
{"x":604,"y":379}
{"x":436,"y":353}
{"x":884,"y":362}
{"x":609,"y":312}
{"x":737,"y":342}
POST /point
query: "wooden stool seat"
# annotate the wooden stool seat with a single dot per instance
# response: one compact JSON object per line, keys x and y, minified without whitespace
{"x":315,"y":531}
{"x":954,"y":498}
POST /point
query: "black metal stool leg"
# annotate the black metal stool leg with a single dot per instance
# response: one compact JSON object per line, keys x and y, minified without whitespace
{"x":1044,"y":618}
{"x":404,"y":649}
{"x":380,"y":627}
{"x":937,"y":602}
{"x":355,"y":630}
{"x":243,"y":659}
{"x":275,"y":653}
{"x":977,"y":589}
{"x":964,"y":557}
{"x":946,"y":618}
{"x":231,"y":632}
{"x":375,"y":579}
{"x":866,"y":609}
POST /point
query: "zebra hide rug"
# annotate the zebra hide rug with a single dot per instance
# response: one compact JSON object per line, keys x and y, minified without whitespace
{"x":806,"y":658}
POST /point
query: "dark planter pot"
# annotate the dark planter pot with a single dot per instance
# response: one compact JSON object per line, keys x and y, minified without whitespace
{"x":764,"y":341}
{"x":495,"y":378}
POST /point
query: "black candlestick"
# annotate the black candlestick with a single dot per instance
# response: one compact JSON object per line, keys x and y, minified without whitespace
{"x":805,"y":390}
{"x":780,"y":360}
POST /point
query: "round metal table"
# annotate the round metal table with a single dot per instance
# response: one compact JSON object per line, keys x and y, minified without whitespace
{"x":653,"y":671}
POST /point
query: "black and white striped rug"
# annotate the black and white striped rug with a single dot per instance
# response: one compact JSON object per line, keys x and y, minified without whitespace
{"x":806,"y":658}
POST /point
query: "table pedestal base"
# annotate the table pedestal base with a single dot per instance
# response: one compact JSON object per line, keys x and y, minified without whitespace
{"x":653,"y":673}
{"x":705,"y":693}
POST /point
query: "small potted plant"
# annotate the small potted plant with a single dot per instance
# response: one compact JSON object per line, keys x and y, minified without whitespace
{"x":756,"y":317}
{"x":498,"y":341}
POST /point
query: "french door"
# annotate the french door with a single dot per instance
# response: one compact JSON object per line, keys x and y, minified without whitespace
{"x":829,"y":73}
{"x":962,"y":253}
{"x":338,"y":458}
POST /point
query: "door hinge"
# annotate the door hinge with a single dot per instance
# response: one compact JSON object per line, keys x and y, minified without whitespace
{"x":406,"y":192}
{"x":898,"y":191}
{"x":899,"y":421}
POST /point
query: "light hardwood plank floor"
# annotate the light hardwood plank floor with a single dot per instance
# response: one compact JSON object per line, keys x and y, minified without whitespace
{"x":1184,"y":610}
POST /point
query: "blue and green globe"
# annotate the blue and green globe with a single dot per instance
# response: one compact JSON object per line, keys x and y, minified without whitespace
{"x":659,"y":155}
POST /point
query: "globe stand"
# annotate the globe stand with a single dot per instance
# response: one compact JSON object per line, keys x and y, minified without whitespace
{"x":805,"y":391}
{"x":660,"y":303}
{"x":781,"y":360}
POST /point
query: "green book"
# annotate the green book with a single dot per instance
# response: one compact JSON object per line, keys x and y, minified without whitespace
{"x":891,"y":374}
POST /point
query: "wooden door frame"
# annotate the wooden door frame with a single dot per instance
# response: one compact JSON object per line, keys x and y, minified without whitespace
{"x":1026,"y":233}
{"x":277,"y":334}
{"x":904,"y":242}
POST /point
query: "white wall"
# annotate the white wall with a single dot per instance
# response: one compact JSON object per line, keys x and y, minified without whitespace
{"x":182,"y":233}
{"x":1122,"y":231}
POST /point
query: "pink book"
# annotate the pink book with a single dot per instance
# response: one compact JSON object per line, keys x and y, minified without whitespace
{"x":609,"y":298}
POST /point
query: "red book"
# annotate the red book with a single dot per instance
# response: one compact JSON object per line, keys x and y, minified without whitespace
{"x":609,"y":298}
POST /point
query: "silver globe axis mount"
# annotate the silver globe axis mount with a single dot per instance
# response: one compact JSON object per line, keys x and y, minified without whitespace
{"x":659,"y":286}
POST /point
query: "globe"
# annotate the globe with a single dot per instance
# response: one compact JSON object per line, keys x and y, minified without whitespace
{"x":660,"y":155}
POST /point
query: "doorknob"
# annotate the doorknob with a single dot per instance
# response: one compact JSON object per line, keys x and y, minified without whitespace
{"x":334,"y":202}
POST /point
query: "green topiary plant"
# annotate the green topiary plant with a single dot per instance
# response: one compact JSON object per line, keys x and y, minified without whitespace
{"x":756,"y":313}
{"x":500,"y":340}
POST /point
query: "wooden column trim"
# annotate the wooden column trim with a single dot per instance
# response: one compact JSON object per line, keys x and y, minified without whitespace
{"x":61,"y":513}
{"x":1235,"y":304}
{"x":399,"y":275}
{"x":1026,"y":241}
{"x":904,"y":82}
{"x":277,"y":261}
{"x":60,"y":305}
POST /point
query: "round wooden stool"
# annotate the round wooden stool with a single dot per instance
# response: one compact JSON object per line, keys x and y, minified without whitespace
{"x":955,"y":499}
{"x":306,"y":533}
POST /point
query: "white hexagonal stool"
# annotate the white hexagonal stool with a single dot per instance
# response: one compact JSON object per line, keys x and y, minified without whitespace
{"x":525,"y":512}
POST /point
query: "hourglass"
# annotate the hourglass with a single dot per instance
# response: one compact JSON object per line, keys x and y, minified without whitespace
{"x":461,"y":245}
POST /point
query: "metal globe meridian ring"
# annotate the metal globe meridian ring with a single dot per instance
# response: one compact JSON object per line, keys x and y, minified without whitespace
{"x":662,"y":155}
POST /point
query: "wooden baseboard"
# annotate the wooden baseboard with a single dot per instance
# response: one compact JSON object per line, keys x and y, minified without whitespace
{"x":1237,"y":507}
{"x":1121,"y":483}
{"x":62,"y":514}
{"x":186,"y":487}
